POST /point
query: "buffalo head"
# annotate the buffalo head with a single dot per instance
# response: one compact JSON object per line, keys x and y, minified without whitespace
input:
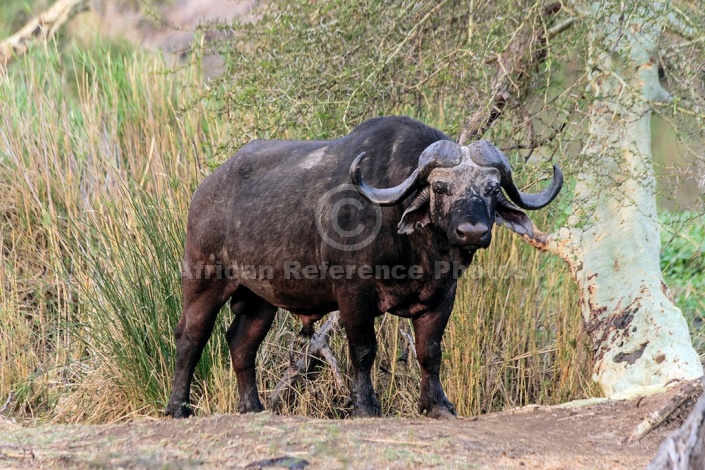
{"x":458,"y":190}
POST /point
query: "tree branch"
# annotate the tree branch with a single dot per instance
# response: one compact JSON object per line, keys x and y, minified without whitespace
{"x":685,"y":447}
{"x":42,"y":27}
{"x":561,"y":27}
{"x":536,"y":143}
{"x":543,"y":241}
{"x":513,"y":72}
{"x":678,"y":25}
{"x":408,"y":345}
{"x":316,"y":350}
{"x":687,"y":392}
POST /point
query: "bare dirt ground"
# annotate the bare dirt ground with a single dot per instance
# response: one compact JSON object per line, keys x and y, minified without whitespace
{"x":586,"y":437}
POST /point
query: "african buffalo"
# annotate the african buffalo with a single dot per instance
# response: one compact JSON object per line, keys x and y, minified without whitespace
{"x":293,"y":225}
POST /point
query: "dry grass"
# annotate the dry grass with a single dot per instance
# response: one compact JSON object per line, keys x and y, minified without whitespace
{"x":99,"y":162}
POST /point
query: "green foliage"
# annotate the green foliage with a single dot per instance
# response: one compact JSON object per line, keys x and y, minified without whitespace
{"x":683,"y":266}
{"x":315,"y":70}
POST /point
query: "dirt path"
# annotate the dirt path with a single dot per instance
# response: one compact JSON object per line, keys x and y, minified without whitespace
{"x":588,"y":437}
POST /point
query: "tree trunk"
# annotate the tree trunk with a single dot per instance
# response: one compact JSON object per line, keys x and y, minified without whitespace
{"x":611,"y":240}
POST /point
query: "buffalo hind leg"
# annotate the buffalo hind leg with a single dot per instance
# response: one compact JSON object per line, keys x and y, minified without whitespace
{"x":253,"y":318}
{"x":360,"y":330}
{"x":429,"y":332}
{"x":202,"y":301}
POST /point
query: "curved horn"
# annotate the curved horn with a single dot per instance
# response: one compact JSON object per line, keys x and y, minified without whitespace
{"x":384,"y":196}
{"x":443,"y":153}
{"x":485,"y":154}
{"x":421,"y":199}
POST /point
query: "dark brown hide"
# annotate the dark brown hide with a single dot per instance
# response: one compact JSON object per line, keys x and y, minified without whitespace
{"x":280,"y":226}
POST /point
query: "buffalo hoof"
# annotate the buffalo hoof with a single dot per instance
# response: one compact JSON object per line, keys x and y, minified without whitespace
{"x":366,"y":412}
{"x":441,"y":412}
{"x":180,"y":411}
{"x":367,"y":408}
{"x":441,"y":409}
{"x":250,"y":406}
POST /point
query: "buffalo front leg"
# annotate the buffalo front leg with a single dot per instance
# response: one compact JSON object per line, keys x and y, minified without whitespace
{"x":362,"y":344}
{"x":253,"y":318}
{"x":429,"y":332}
{"x":202,"y":300}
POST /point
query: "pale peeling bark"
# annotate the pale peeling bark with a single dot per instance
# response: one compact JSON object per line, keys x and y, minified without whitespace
{"x":611,"y":240}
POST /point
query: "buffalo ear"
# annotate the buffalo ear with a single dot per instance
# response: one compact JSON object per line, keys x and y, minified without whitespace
{"x":513,"y":218}
{"x":411,"y":220}
{"x":416,"y":215}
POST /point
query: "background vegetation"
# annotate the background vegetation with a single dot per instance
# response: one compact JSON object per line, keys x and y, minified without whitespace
{"x":102,"y":145}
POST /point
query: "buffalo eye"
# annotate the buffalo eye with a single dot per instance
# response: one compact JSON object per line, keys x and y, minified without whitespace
{"x":441,"y":187}
{"x":492,"y":190}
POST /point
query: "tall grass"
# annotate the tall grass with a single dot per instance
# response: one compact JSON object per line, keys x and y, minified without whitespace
{"x":100,"y":151}
{"x":517,"y":332}
{"x":99,"y":162}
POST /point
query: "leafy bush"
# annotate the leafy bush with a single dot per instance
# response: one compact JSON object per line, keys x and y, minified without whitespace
{"x":683,"y":266}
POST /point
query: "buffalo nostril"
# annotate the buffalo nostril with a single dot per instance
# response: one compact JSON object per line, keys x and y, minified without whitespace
{"x":464,"y":231}
{"x":486,"y":237}
{"x":477,"y":234}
